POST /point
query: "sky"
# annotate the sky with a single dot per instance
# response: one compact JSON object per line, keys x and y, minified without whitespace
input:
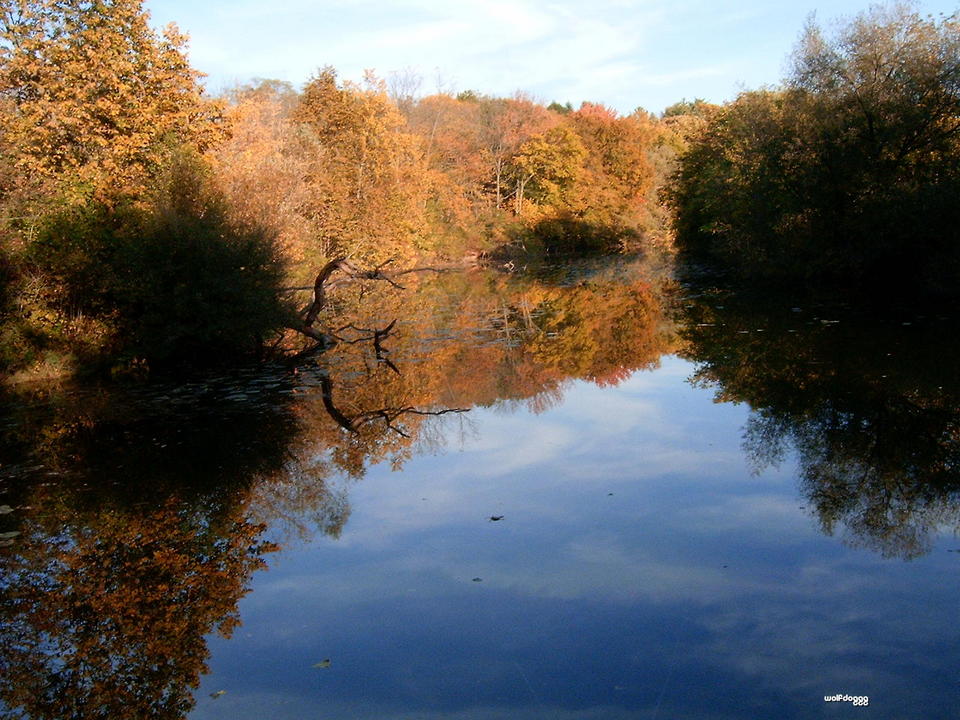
{"x":623,"y":53}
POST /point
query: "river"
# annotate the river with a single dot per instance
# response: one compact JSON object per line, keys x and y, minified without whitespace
{"x":583,"y":492}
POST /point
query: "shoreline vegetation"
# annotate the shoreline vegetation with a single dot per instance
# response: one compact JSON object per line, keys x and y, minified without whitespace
{"x":146,"y":227}
{"x":845,"y":176}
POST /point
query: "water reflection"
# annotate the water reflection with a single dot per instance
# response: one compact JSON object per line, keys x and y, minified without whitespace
{"x":133,"y":518}
{"x":636,"y":570}
{"x":134,"y":539}
{"x":477,"y":339}
{"x":871,"y":408}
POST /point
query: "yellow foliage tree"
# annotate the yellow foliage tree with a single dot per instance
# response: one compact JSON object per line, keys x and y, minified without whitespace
{"x":546,"y":166}
{"x":97,"y":96}
{"x":266,"y":173}
{"x":368,"y":172}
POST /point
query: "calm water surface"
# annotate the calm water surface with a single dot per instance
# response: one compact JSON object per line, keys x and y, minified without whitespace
{"x":587,"y":493}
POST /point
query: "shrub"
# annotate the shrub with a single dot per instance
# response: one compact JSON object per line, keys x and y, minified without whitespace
{"x":176,"y":280}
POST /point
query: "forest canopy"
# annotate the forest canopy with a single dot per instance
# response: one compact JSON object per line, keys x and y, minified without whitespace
{"x":130,"y":199}
{"x":145,"y":224}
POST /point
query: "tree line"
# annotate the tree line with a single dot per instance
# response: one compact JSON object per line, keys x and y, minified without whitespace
{"x":846,"y":174}
{"x":144,"y":223}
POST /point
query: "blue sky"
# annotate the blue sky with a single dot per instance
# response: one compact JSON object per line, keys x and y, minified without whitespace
{"x":625,"y":53}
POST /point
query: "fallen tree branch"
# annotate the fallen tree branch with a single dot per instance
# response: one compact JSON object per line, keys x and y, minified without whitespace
{"x":374,"y":274}
{"x":349,"y":271}
{"x":389,"y":415}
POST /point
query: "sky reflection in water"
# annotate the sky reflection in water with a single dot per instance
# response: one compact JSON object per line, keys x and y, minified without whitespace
{"x":640,"y":570}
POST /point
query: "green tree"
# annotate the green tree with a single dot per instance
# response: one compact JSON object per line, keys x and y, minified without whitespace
{"x":849,"y":172}
{"x":697,"y":106}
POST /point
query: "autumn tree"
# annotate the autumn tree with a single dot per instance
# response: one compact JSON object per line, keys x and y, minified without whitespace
{"x":546,"y":166}
{"x":98,"y":107}
{"x":731,"y":180}
{"x":266,"y":171}
{"x":453,"y":171}
{"x":507,"y":123}
{"x":97,"y":95}
{"x":531,"y":176}
{"x":366,"y":168}
{"x":618,"y":166}
{"x":470,"y":142}
{"x":603,"y":202}
{"x":109,"y":267}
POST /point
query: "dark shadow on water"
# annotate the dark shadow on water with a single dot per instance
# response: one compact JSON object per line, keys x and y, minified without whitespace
{"x":567,"y":236}
{"x":134,"y":540}
{"x":868,"y":401}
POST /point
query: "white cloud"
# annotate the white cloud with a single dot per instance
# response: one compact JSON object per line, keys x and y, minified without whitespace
{"x":620,"y":52}
{"x":564,"y":49}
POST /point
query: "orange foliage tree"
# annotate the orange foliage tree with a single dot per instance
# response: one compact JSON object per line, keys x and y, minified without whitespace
{"x":367,"y":171}
{"x":97,"y":96}
{"x":107,"y":618}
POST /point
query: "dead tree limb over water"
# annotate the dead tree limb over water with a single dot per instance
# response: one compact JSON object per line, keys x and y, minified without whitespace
{"x":348,"y":271}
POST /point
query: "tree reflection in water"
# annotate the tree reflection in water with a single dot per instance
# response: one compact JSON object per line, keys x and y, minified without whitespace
{"x":142,"y":512}
{"x":871,"y":407}
{"x":135,"y":543}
